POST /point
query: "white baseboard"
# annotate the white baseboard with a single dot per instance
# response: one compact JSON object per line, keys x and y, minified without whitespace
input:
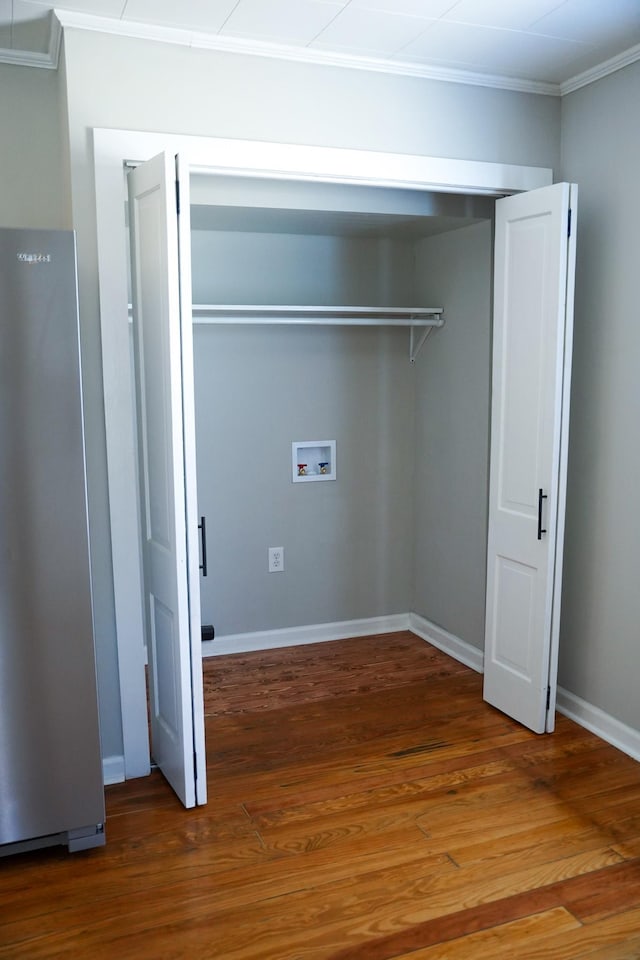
{"x":605,"y":726}
{"x":296,"y":636}
{"x":113,"y":770}
{"x":447,"y":642}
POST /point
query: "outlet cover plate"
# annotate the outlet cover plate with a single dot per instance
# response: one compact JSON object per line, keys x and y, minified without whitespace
{"x":276,"y":559}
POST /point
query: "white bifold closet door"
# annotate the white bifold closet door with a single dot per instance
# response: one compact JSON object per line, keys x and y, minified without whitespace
{"x":532,"y":335}
{"x":161,"y":287}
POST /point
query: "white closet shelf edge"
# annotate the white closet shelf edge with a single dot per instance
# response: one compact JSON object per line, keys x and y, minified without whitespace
{"x":343,"y":315}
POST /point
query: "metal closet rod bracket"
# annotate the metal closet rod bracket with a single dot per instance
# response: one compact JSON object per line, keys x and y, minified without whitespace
{"x":415,"y":348}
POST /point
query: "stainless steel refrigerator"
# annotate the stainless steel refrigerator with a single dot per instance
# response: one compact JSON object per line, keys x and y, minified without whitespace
{"x":50,"y":767}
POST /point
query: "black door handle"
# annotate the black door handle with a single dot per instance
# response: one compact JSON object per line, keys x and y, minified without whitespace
{"x":541,"y":496}
{"x":202,"y":526}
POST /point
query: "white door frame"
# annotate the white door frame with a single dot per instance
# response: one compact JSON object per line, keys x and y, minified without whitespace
{"x":112,"y":148}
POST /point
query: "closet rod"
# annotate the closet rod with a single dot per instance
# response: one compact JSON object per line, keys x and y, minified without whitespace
{"x":366,"y":316}
{"x":313,"y":314}
{"x":425,"y":318}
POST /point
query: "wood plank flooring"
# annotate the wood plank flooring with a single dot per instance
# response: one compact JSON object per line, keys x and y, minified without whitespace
{"x":364,"y":804}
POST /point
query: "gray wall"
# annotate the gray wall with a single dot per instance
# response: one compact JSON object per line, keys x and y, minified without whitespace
{"x":238,"y":267}
{"x":452,"y":434}
{"x":600,"y":625}
{"x":34,"y":181}
{"x":346,"y":542}
{"x":156,"y":86}
{"x":411,"y":495}
{"x":116,"y":82}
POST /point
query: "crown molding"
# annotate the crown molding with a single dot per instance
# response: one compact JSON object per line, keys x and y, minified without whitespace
{"x":601,"y":70}
{"x":258,"y":48}
{"x":27,"y":58}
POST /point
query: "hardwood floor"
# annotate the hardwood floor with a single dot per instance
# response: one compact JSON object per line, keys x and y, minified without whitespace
{"x":364,"y":804}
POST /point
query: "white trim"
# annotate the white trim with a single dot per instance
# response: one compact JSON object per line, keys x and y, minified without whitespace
{"x":327,"y":58}
{"x":113,"y":770}
{"x":299,"y":636}
{"x":601,"y":70}
{"x":293,"y":161}
{"x":28,"y":58}
{"x":605,"y":726}
{"x":278,"y":51}
{"x":242,"y":157}
{"x":447,"y":642}
{"x":121,"y":467}
{"x":25,"y":58}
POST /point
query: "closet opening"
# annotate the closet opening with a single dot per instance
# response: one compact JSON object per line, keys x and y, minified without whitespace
{"x":403,"y":526}
{"x":400,"y":529}
{"x":429,"y":428}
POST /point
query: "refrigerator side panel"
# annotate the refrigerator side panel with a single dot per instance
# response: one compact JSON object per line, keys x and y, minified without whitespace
{"x":50,"y":765}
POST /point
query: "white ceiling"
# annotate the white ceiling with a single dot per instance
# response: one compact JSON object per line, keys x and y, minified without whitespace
{"x":521,"y":44}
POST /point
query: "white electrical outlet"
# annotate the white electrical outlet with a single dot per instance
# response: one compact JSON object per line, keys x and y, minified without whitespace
{"x":276,"y":559}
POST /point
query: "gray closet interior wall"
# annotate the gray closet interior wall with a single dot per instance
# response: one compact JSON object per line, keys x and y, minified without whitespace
{"x":452,"y":403}
{"x":404,"y":525}
{"x":345,"y":542}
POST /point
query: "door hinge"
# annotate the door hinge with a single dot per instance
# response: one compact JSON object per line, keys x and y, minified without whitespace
{"x":548,"y":697}
{"x":569,"y":223}
{"x":178,"y":197}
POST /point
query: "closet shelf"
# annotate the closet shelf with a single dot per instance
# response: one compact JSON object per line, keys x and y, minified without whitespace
{"x":339,"y":315}
{"x":425,"y":318}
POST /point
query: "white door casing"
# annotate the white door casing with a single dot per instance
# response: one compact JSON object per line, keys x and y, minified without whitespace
{"x":533,"y":307}
{"x":164,"y":375}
